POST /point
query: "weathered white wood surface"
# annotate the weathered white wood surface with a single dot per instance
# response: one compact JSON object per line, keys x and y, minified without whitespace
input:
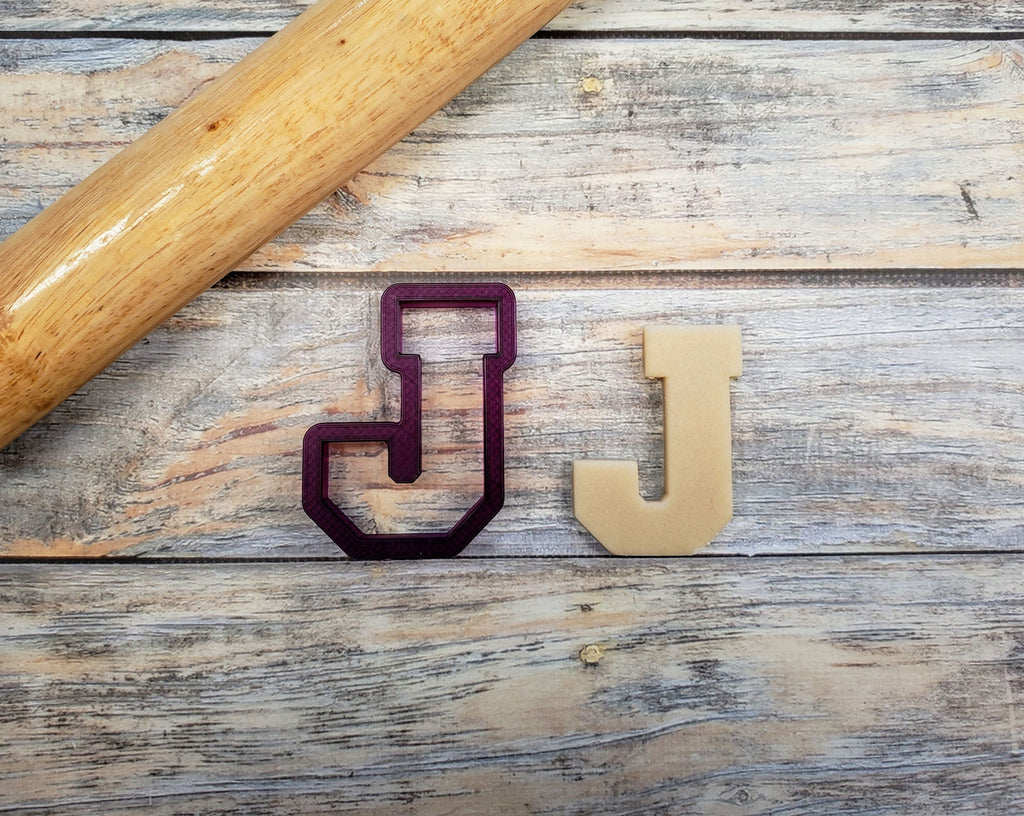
{"x":888,"y":16}
{"x":869,"y":420}
{"x":726,"y":686}
{"x":865,"y":420}
{"x":605,"y":154}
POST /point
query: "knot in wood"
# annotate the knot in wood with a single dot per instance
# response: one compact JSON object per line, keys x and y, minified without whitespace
{"x":591,"y":655}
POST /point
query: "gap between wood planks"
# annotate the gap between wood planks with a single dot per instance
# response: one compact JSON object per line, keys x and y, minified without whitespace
{"x":767,"y":34}
{"x":623,"y":34}
{"x":626,"y":563}
{"x":662,"y":279}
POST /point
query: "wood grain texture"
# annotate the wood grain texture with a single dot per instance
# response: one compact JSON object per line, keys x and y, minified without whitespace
{"x":607,"y":154}
{"x":879,"y":686}
{"x":874,"y":420}
{"x":587,"y":15}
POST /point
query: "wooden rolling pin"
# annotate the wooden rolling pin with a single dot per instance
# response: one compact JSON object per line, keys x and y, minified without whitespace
{"x":182,"y":206}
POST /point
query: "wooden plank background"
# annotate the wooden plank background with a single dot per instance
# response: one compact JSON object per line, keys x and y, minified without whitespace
{"x":516,"y":686}
{"x":881,"y":419}
{"x":642,"y":16}
{"x":843,"y":179}
{"x":608,"y":154}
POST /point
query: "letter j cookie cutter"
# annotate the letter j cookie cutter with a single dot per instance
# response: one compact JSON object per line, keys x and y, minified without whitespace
{"x":404,"y":437}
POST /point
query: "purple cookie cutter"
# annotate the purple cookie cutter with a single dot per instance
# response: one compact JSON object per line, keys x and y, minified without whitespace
{"x":404,"y":438}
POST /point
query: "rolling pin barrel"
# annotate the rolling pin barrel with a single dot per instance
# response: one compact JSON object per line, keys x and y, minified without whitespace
{"x":186,"y":203}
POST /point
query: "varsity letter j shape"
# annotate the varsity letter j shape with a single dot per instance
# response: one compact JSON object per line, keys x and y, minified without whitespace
{"x":404,"y":438}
